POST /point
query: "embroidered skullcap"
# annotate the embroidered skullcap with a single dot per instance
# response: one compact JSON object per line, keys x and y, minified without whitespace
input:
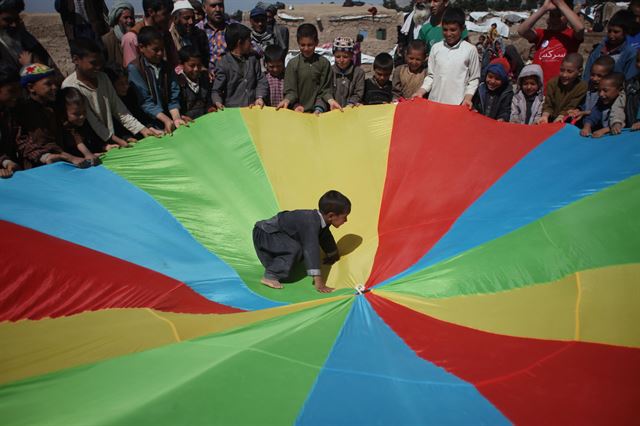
{"x":34,"y":72}
{"x":343,"y":43}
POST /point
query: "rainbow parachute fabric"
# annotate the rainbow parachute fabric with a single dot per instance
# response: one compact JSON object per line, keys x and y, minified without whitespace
{"x":503,"y":263}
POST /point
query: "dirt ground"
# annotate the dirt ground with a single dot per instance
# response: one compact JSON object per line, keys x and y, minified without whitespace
{"x":47,"y":28}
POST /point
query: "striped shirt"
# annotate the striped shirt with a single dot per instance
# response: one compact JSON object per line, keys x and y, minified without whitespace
{"x":276,"y":89}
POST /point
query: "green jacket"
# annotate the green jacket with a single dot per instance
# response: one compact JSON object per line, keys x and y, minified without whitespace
{"x":308,"y":82}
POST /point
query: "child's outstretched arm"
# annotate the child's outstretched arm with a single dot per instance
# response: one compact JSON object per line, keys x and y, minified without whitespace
{"x":474,"y":79}
{"x":526,"y":28}
{"x":573,"y":19}
{"x":601,"y":132}
{"x":218,"y":88}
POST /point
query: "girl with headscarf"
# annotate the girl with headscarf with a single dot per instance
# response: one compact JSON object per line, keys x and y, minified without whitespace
{"x":121,"y":19}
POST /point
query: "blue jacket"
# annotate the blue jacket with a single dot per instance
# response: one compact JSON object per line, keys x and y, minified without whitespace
{"x":626,"y":62}
{"x":155,"y":95}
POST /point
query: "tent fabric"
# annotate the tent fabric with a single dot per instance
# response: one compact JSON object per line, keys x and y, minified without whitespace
{"x":501,"y":259}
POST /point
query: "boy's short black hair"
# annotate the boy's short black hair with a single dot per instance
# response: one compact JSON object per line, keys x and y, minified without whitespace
{"x":8,"y":74}
{"x":12,"y":6}
{"x":616,"y":78}
{"x":307,"y":31}
{"x":274,"y":53}
{"x":418,"y":45}
{"x":187,"y":52}
{"x":575,"y":59}
{"x":148,"y":35}
{"x":624,"y":19}
{"x":605,"y":61}
{"x":156,"y":6}
{"x":383,"y":62}
{"x":334,"y":202}
{"x":235,"y":33}
{"x":81,"y":47}
{"x":454,"y":15}
{"x":67,"y":96}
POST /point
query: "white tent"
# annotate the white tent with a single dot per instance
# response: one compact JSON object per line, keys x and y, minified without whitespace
{"x":503,"y":29}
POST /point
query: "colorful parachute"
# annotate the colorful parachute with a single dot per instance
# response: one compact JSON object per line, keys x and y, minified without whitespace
{"x":503,"y":262}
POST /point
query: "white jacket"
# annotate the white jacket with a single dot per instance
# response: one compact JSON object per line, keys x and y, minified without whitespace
{"x":453,"y":72}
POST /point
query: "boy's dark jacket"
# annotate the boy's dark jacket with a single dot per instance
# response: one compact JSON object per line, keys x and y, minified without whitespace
{"x":193,"y":104}
{"x":233,"y":88}
{"x":632,"y":89}
{"x":305,"y":227}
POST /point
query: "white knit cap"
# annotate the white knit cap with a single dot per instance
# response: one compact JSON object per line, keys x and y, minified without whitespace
{"x":180,"y":5}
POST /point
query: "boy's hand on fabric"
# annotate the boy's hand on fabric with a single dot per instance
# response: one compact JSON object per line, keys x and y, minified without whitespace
{"x":12,"y":166}
{"x":8,"y":171}
{"x":333,"y":105}
{"x":616,"y":129}
{"x":420,"y":93}
{"x":600,"y":133}
{"x":467,"y":101}
{"x":635,"y":126}
{"x":575,"y":113}
{"x":168,"y":127}
{"x":150,"y":131}
{"x":283,"y":104}
{"x":258,"y":103}
{"x":178,"y":122}
{"x":119,"y":141}
{"x":585,"y":132}
{"x":300,"y":108}
{"x":542,"y":120}
{"x":81,"y":163}
{"x":182,"y":121}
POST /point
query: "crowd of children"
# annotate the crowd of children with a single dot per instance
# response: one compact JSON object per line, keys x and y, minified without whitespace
{"x":150,"y":92}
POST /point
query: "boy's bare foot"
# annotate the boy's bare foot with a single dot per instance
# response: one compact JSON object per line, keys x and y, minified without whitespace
{"x":271,"y":283}
{"x":324,"y":289}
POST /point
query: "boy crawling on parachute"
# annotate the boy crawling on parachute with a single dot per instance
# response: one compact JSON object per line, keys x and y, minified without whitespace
{"x":290,"y":236}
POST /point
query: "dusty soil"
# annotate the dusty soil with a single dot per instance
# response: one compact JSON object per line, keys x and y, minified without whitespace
{"x":47,"y":28}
